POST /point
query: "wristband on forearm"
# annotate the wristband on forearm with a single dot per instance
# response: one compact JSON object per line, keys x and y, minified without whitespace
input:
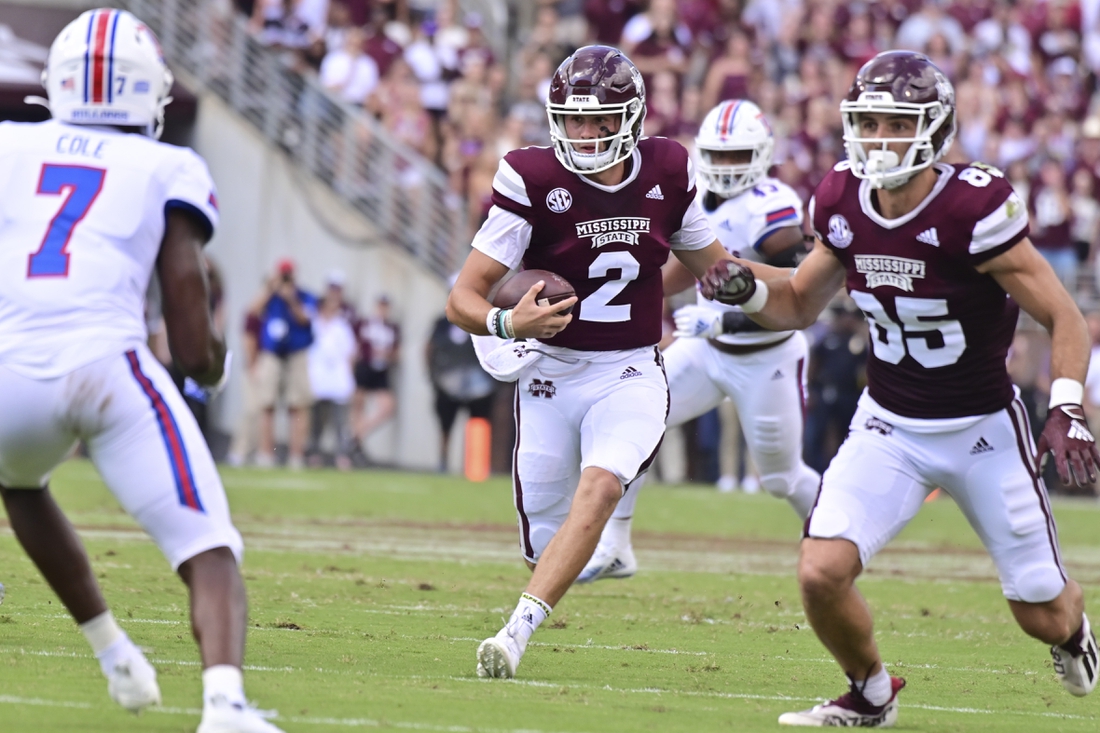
{"x":491,"y":322}
{"x":756,"y":303}
{"x":1065,"y":391}
{"x":506,"y":329}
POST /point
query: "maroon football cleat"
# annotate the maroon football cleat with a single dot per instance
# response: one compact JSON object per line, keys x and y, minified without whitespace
{"x":850,"y":710}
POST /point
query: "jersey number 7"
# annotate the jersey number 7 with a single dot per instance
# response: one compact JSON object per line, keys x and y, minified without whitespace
{"x":80,"y":186}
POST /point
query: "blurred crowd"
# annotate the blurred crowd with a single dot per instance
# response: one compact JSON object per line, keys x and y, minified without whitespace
{"x":1025,"y":74}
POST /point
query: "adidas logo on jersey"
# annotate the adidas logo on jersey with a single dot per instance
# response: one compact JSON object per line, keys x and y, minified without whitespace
{"x":655,"y":193}
{"x":982,"y":446}
{"x":630,"y":372}
{"x":929,"y":236}
{"x":778,"y":374}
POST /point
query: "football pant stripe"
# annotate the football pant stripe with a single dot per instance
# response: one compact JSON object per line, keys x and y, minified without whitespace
{"x":668,"y":407}
{"x":517,"y":488}
{"x":1018,"y":415}
{"x":173,"y":440}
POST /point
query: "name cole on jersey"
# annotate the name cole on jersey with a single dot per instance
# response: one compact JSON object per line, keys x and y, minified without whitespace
{"x":940,"y":329}
{"x":608,"y":242}
{"x":82,"y":217}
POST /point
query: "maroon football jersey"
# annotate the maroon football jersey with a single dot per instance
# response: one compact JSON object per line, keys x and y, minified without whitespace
{"x":609,"y":245}
{"x":940,"y":330}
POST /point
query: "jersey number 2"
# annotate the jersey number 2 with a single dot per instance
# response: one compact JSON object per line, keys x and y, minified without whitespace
{"x":596,"y":306}
{"x":80,"y":186}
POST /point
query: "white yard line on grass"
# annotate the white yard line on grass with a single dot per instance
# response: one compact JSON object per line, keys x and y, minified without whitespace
{"x":369,"y":723}
{"x":304,"y":720}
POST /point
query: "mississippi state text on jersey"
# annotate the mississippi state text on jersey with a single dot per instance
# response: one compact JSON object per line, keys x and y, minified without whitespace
{"x":82,"y":216}
{"x":940,"y":330}
{"x":741,"y":224}
{"x":608,"y":242}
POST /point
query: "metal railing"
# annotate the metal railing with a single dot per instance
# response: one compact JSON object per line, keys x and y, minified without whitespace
{"x":407,"y":198}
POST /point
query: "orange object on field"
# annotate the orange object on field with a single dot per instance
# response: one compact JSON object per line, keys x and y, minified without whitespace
{"x":479,"y":444}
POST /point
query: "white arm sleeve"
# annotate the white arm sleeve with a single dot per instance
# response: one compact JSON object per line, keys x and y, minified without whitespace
{"x":695,"y":232}
{"x":504,"y":236}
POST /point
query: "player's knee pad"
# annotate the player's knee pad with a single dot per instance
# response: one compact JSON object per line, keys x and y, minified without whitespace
{"x":1036,"y":583}
{"x":543,"y":507}
{"x":778,"y":485}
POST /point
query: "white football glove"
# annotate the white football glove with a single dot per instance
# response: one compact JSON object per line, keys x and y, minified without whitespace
{"x":204,"y":393}
{"x":695,"y":321}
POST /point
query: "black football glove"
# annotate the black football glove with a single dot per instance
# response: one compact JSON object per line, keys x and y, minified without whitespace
{"x":728,"y":282}
{"x":1067,"y":438}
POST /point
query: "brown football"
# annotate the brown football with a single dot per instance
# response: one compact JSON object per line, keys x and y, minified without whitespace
{"x":557,"y":289}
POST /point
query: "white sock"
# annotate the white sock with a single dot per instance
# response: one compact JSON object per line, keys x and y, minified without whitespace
{"x":102,"y":632}
{"x":529,"y":613}
{"x":225,"y":680}
{"x":876,"y":688}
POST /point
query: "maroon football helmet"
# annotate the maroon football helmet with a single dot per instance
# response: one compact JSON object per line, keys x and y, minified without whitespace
{"x":596,"y":80}
{"x":899,"y":82}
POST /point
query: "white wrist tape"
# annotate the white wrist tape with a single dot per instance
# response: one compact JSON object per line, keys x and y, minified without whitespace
{"x":756,"y":303}
{"x":1065,"y":391}
{"x":491,"y":322}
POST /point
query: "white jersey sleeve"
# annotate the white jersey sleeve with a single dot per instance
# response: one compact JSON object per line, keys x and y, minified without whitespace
{"x":773,"y":205}
{"x":504,"y":236}
{"x":191,"y":188}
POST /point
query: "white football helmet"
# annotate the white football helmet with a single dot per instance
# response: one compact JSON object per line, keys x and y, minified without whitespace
{"x":106,"y":68}
{"x":735,"y":124}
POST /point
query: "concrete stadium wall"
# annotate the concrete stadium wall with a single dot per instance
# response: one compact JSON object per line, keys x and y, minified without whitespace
{"x":270,"y":210}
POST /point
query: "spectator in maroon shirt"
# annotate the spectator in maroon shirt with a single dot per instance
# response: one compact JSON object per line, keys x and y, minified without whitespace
{"x":374,"y":403}
{"x":606,"y":18}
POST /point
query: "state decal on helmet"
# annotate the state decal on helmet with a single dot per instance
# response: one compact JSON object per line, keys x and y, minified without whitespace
{"x":734,"y":125}
{"x":106,"y":68}
{"x":596,"y":80}
{"x":899,"y":83}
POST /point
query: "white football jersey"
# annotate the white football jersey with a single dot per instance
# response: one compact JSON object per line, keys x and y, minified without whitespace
{"x":741,"y":224}
{"x":82,"y":216}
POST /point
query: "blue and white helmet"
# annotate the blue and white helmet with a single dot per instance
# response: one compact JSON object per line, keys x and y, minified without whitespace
{"x":106,"y":68}
{"x":735,"y":124}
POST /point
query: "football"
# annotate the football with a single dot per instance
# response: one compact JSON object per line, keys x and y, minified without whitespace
{"x":557,"y":289}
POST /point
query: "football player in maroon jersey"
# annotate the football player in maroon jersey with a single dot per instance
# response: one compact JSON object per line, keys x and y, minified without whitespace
{"x":938,"y":259}
{"x":602,"y":207}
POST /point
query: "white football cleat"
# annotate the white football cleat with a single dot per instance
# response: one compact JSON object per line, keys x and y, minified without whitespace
{"x":498,"y":656}
{"x":219,"y":715}
{"x":610,"y":562}
{"x":1078,"y":672}
{"x":850,"y":710}
{"x":132,"y":682}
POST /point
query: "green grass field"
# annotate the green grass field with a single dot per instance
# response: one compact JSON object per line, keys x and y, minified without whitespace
{"x":370,"y":592}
